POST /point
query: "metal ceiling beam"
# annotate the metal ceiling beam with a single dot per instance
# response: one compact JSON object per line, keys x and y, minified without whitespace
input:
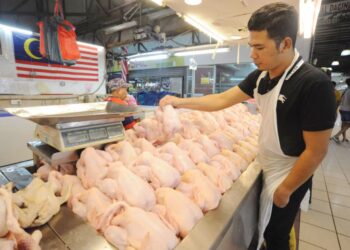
{"x":19,"y":5}
{"x":40,"y":14}
{"x":98,"y":3}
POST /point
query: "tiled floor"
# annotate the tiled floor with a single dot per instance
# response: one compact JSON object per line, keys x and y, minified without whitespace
{"x":327,"y":223}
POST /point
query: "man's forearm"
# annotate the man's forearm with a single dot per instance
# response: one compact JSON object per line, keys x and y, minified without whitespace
{"x":214,"y":102}
{"x":203,"y":103}
{"x":303,"y":169}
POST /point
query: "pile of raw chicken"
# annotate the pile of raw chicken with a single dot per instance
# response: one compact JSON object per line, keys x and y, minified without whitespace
{"x":146,"y":192}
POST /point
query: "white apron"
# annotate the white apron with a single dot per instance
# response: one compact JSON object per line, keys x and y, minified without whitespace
{"x":274,"y":163}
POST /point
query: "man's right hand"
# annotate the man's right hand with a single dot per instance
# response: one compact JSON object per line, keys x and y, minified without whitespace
{"x":170,"y":100}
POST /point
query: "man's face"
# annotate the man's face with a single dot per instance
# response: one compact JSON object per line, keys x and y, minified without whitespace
{"x":264,"y":52}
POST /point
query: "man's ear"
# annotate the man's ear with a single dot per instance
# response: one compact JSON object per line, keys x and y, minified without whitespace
{"x":286,"y":44}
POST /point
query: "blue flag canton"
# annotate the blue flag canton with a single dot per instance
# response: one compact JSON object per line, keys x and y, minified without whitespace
{"x":27,"y":47}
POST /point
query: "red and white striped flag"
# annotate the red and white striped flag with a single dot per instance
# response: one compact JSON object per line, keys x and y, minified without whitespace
{"x":30,"y":64}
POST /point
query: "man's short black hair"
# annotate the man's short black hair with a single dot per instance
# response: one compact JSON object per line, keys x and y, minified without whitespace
{"x":348,"y":82}
{"x":280,"y":20}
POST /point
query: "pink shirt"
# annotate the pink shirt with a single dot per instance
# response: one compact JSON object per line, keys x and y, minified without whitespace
{"x":130,"y":100}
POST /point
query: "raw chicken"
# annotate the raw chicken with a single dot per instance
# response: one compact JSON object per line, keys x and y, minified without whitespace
{"x":220,"y":118}
{"x":248,"y":146}
{"x":227,"y":166}
{"x":211,"y":119}
{"x":161,"y":174}
{"x":236,"y":159}
{"x":177,"y":210}
{"x":189,"y":130}
{"x":210,"y":147}
{"x":195,"y":151}
{"x":125,"y":150}
{"x":43,"y":171}
{"x":181,"y":160}
{"x":151,"y":129}
{"x":134,"y":228}
{"x":223,"y":140}
{"x":130,"y":135}
{"x":216,"y":176}
{"x":37,"y":203}
{"x":129,"y":187}
{"x":105,"y":155}
{"x":200,"y":189}
{"x":92,"y":206}
{"x":7,"y":244}
{"x":67,"y":168}
{"x":171,"y":121}
{"x":244,"y":153}
{"x":202,"y":123}
{"x":145,"y":146}
{"x":91,"y":167}
{"x":16,"y":237}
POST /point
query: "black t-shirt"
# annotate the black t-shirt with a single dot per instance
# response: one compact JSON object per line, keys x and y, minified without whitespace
{"x":309,"y":104}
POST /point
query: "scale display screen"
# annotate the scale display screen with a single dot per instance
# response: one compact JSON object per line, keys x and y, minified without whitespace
{"x":77,"y":137}
{"x":92,"y":134}
{"x":98,"y":134}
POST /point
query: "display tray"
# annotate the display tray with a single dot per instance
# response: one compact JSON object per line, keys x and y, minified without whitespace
{"x":231,"y":226}
{"x":54,"y":114}
{"x":19,"y":176}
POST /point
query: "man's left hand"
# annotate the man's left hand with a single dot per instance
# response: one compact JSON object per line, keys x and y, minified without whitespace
{"x":281,"y":196}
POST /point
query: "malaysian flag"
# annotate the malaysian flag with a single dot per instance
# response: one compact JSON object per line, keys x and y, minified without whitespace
{"x":30,"y":63}
{"x":124,"y":64}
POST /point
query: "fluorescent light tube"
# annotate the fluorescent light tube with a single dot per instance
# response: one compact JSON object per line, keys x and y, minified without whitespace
{"x":309,"y":10}
{"x":201,"y":52}
{"x":10,"y":29}
{"x":335,"y":63}
{"x":147,"y":54}
{"x":149,"y":58}
{"x":193,"y":2}
{"x":159,"y":2}
{"x":345,"y":52}
{"x":204,"y":28}
{"x":235,"y":37}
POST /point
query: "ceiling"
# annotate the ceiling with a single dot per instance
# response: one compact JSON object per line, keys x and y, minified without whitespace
{"x":228,"y":17}
{"x":332,"y":35}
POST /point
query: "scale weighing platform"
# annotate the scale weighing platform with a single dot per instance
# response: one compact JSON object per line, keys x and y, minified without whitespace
{"x":63,"y":129}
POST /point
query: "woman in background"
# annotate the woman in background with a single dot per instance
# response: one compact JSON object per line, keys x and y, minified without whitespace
{"x":344,"y":110}
{"x":119,"y":94}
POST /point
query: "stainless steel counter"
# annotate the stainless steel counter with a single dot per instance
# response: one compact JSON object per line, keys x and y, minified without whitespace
{"x":232,"y":225}
{"x":229,"y":227}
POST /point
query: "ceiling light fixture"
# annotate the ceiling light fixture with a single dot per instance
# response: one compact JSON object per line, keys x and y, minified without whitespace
{"x":193,"y":2}
{"x":201,"y":52}
{"x":149,"y":56}
{"x":202,"y":26}
{"x":345,"y":52}
{"x":159,"y":2}
{"x":235,"y":37}
{"x":13,"y":29}
{"x":335,"y":63}
{"x":309,"y":10}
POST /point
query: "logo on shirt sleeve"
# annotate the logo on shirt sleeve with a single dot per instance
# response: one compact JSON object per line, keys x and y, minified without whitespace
{"x":282,"y":98}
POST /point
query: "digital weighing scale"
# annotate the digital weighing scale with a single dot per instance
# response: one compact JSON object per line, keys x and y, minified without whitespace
{"x":63,"y":129}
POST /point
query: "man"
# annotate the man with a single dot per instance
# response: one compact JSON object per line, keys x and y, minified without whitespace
{"x":297,"y":105}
